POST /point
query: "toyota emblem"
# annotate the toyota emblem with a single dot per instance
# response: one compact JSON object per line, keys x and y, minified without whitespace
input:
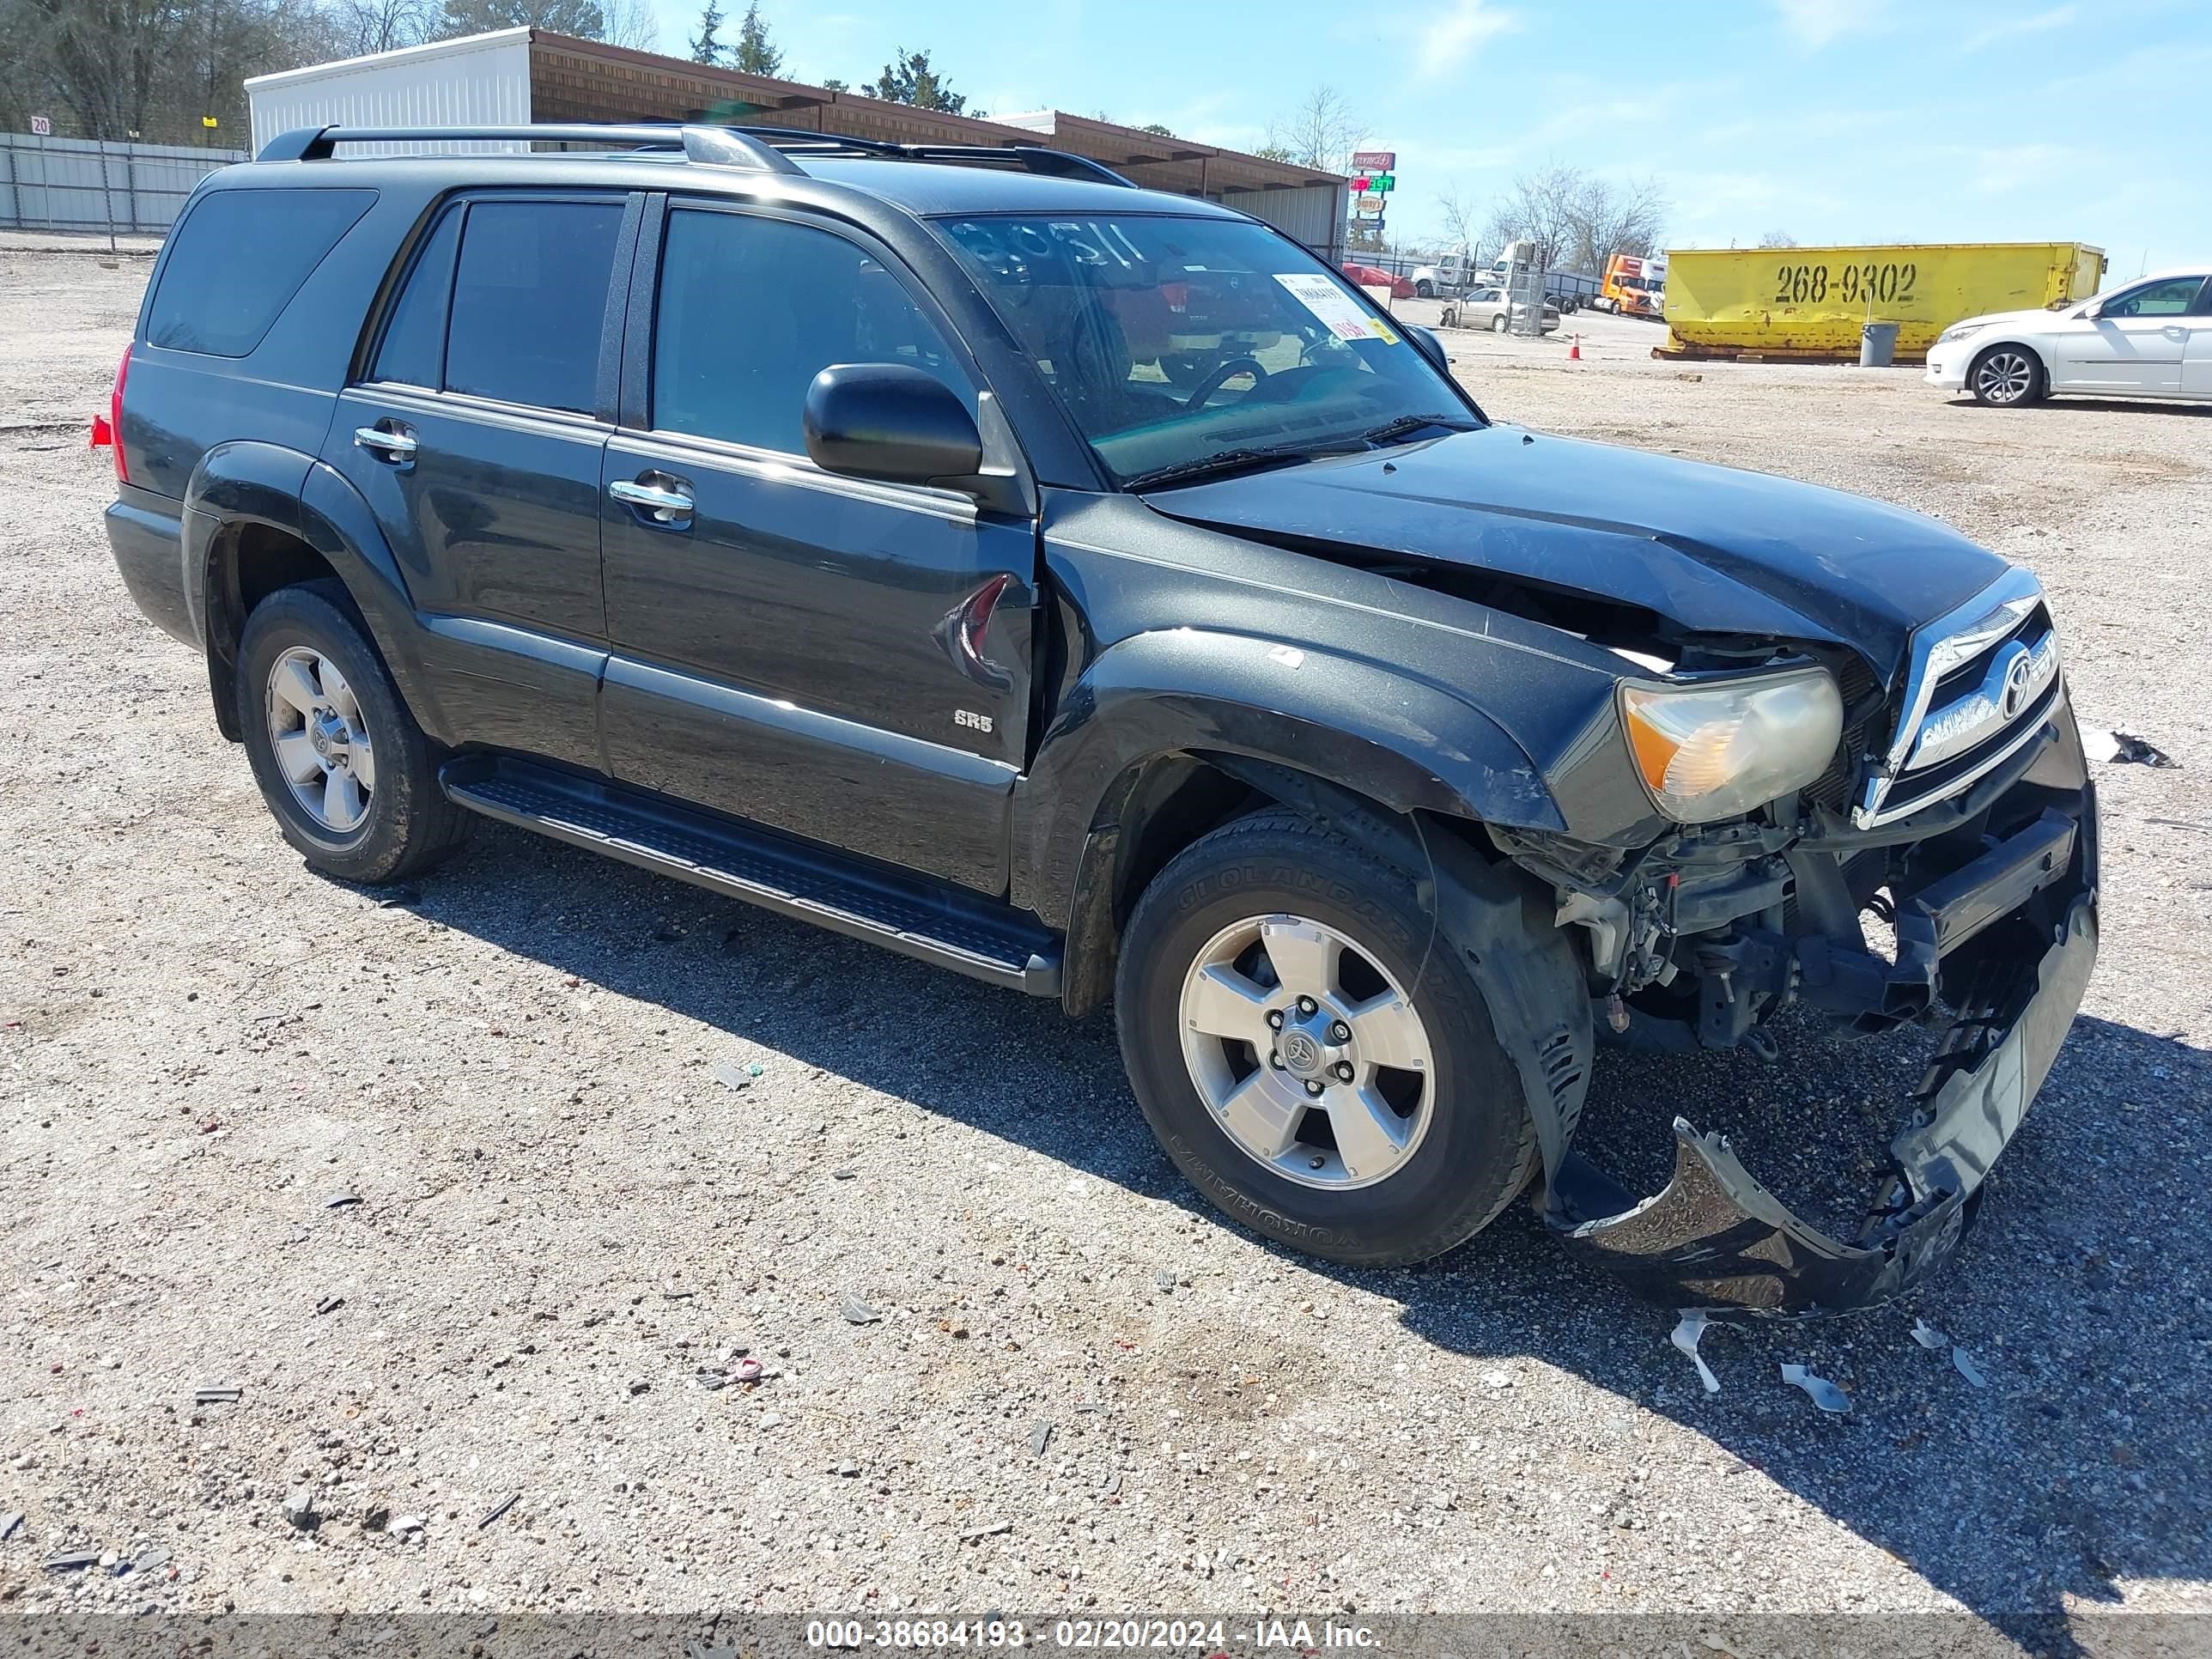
{"x":2018,"y":673}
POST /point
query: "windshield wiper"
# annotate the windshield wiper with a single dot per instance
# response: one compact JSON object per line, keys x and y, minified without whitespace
{"x":1405,"y":425}
{"x":1235,"y":460}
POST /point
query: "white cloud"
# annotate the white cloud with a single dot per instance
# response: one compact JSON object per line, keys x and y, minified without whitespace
{"x":2038,"y":23}
{"x":1816,"y":22}
{"x":1454,"y":35}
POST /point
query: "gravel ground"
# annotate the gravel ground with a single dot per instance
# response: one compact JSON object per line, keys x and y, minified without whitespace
{"x":1075,"y":1385}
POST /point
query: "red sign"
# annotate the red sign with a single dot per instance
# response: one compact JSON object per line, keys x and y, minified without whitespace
{"x":1374,"y":161}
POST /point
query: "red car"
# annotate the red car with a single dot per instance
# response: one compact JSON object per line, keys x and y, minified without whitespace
{"x":1402,"y":287}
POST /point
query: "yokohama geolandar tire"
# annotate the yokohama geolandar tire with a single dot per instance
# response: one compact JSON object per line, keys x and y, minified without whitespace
{"x":350,"y":778}
{"x":1312,"y":1055}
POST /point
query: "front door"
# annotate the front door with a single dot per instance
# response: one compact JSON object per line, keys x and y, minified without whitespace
{"x":847,"y":661}
{"x":2197,"y":355}
{"x":2133,"y":344}
{"x":475,"y":440}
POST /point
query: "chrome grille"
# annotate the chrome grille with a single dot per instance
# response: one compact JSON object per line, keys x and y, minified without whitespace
{"x":1980,"y":682}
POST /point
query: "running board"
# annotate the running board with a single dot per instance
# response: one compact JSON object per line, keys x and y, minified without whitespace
{"x":935,"y":922}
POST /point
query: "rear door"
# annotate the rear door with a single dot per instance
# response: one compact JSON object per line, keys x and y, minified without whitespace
{"x":847,"y":661}
{"x":475,"y":434}
{"x":2135,"y":343}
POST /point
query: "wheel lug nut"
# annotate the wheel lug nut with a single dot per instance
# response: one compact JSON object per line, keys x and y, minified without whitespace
{"x":1312,"y":1087}
{"x":1344,"y":1070}
{"x":1274,"y":1019}
{"x":1307,"y":1004}
{"x":1275,"y":1059}
{"x":1339,"y":1032}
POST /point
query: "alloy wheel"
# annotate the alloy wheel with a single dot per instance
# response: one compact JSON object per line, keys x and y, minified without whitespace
{"x":1308,"y":1054}
{"x":2004,"y":377}
{"x":320,"y":740}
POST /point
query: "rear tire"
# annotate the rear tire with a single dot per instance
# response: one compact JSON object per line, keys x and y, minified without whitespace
{"x":2006,"y":377}
{"x":1251,"y":909}
{"x":350,"y":777}
{"x":1500,"y":323}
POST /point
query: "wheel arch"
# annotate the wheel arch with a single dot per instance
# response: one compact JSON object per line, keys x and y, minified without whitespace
{"x":259,"y":518}
{"x":1169,"y":735}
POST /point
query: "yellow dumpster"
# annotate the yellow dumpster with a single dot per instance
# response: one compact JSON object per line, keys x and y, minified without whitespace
{"x":1811,"y":302}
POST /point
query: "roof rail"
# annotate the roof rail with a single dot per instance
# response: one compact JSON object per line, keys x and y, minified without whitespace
{"x":1032,"y":158}
{"x":713,"y":146}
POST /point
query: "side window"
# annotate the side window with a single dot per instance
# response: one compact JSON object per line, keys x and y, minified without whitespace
{"x":2168,"y":299}
{"x":530,"y":296}
{"x":2204,"y":299}
{"x":413,"y":352}
{"x":752,"y":309}
{"x":240,"y":256}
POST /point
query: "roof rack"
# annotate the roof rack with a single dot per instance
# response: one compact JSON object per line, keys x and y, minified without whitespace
{"x":712,"y":146}
{"x":1032,"y":158}
{"x":765,"y":149}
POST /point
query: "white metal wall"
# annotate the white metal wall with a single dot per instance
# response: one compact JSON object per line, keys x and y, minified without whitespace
{"x":1313,"y":214}
{"x":480,"y":80}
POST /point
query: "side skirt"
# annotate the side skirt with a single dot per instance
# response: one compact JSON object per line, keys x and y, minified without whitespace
{"x":915,"y":916}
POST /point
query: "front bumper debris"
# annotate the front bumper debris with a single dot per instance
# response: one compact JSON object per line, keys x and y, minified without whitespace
{"x":1716,"y":1237}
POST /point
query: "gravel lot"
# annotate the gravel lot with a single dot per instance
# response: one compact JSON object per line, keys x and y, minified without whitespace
{"x":564,"y":1213}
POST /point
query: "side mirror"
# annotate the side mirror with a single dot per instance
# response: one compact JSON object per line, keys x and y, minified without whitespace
{"x":1424,"y":340}
{"x":2093,"y":310}
{"x":888,"y":421}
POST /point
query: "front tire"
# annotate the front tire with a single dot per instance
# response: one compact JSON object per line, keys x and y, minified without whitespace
{"x":1309,"y":1055}
{"x":2006,"y":377}
{"x":350,"y":777}
{"x":1425,"y":290}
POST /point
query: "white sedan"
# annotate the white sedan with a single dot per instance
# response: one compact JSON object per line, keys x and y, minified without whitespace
{"x":1487,"y":307}
{"x":2152,"y":338}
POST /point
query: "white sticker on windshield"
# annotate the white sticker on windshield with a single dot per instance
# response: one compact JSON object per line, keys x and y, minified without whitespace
{"x":1338,"y":312}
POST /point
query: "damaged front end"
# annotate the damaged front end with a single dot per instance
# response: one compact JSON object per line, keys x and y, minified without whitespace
{"x":1991,"y":888}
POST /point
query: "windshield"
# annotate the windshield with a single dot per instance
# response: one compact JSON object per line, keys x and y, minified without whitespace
{"x":1173,"y":341}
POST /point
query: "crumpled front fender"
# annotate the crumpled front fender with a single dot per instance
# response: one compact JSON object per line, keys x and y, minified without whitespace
{"x":1716,"y":1238}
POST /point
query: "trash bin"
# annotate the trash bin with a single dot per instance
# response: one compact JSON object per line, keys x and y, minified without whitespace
{"x":1877,"y":345}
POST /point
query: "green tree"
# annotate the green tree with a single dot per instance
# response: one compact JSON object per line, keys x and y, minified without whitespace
{"x":831,"y":83}
{"x":755,"y":54}
{"x":580,"y":17}
{"x":705,"y":48}
{"x":1156,"y":130}
{"x":908,"y":79}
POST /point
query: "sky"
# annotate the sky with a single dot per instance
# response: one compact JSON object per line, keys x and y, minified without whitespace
{"x":1834,"y":121}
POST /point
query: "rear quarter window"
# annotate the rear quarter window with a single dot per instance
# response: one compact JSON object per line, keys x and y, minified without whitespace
{"x":240,"y":255}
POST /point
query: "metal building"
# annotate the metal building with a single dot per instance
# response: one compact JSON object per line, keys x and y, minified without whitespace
{"x":518,"y":76}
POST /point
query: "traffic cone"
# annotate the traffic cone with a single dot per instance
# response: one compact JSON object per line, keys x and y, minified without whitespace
{"x":1575,"y":351}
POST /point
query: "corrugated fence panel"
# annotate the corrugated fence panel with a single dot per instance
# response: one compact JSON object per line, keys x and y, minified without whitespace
{"x":1313,"y":215}
{"x":83,"y":185}
{"x":483,"y":81}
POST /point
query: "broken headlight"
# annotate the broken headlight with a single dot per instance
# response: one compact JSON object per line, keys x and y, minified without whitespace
{"x":1719,"y":749}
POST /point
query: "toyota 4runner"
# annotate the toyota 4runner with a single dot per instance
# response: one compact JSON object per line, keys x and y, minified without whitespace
{"x":1090,"y":590}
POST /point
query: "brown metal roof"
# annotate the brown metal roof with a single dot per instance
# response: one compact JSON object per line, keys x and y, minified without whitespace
{"x":578,"y":80}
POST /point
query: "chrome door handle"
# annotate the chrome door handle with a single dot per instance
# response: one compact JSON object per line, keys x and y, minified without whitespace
{"x":396,"y":446}
{"x":666,"y":504}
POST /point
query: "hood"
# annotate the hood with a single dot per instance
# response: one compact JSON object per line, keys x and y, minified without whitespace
{"x":1712,"y":548}
{"x":2034,"y":318}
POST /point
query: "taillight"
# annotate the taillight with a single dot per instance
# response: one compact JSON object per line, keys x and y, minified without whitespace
{"x":107,"y":429}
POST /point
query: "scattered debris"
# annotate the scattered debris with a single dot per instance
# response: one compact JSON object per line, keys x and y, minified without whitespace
{"x":1688,"y":1331}
{"x":748,"y":1369}
{"x":1824,"y":1394}
{"x":2130,"y":750}
{"x":1165,"y":1280}
{"x":400,"y":900}
{"x":1963,"y":1363}
{"x":1040,"y":1438}
{"x":157,"y":1556}
{"x":72,"y":1561}
{"x":846,"y":1174}
{"x":846,"y":1467}
{"x":498,"y":1510}
{"x":300,"y":1509}
{"x":638,"y":1388}
{"x":2182,"y":824}
{"x":378,"y":1518}
{"x":730,"y":1075}
{"x":11,"y":1524}
{"x":710,"y":1378}
{"x":1496,"y":1380}
{"x":991,"y":1531}
{"x":858,"y":1312}
{"x":329,"y":1304}
{"x":1928,"y":1337}
{"x":405,"y":1524}
{"x":219,"y":1396}
{"x":340,"y":1201}
{"x":1114,"y":1483}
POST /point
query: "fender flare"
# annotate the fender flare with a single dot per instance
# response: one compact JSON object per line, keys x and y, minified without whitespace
{"x":248,"y":483}
{"x":1401,"y":741}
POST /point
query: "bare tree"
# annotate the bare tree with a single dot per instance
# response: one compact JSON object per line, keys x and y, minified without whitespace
{"x":630,"y":23}
{"x":1460,"y":222}
{"x":1616,"y":218}
{"x":366,"y":26}
{"x":1539,"y":207}
{"x":1320,"y":133}
{"x":1777,"y":239}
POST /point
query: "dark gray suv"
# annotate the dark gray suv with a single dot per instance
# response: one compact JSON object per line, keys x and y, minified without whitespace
{"x":1090,"y":590}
